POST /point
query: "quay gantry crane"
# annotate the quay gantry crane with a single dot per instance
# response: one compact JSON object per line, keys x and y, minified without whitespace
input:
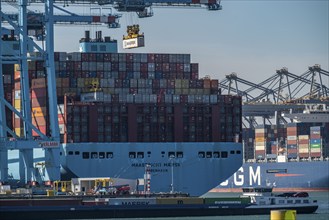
{"x":41,"y":25}
{"x":311,"y":82}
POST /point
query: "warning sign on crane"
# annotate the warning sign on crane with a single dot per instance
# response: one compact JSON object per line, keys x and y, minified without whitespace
{"x":133,"y":39}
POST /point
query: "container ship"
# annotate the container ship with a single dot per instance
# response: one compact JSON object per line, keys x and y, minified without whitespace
{"x":119,"y":112}
{"x":290,"y":157}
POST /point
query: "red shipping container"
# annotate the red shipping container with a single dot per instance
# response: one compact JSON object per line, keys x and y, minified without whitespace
{"x":165,"y":67}
{"x":315,"y":136}
{"x":129,"y":57}
{"x":17,"y":85}
{"x":39,"y":102}
{"x":317,"y":154}
{"x":303,"y":155}
{"x":40,"y":92}
{"x":292,"y":151}
{"x":304,"y":141}
{"x":291,"y":133}
{"x":17,"y":123}
{"x":43,"y":130}
{"x":38,"y":83}
{"x":214,"y":83}
{"x":61,"y":119}
{"x":150,"y":58}
{"x":293,"y":142}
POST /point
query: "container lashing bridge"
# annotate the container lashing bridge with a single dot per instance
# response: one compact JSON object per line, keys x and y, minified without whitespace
{"x":26,"y":23}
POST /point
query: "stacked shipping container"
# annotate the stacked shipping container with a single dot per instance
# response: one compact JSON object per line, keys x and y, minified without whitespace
{"x":122,"y":97}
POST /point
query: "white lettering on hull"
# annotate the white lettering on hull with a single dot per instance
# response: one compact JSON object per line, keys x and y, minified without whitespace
{"x":239,"y":177}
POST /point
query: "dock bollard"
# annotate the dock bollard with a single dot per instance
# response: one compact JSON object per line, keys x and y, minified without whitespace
{"x":283,"y":215}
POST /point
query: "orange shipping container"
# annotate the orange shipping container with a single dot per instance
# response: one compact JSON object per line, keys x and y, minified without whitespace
{"x":39,"y":112}
{"x":214,"y":83}
{"x":17,"y":76}
{"x":39,"y":121}
{"x":258,"y":135}
{"x":260,"y":139}
{"x":206,"y":83}
{"x":19,"y":132}
{"x":17,"y":103}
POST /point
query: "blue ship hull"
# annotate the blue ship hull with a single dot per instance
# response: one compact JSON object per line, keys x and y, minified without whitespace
{"x":285,"y":176}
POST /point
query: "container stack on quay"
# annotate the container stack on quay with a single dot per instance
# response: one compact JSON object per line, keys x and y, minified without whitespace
{"x":318,"y":137}
{"x":132,"y":97}
{"x":296,"y":140}
{"x":303,"y":146}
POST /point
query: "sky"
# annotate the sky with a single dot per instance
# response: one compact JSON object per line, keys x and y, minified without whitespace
{"x":249,"y":37}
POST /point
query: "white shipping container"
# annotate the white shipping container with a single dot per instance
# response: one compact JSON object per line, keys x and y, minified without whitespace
{"x":303,"y":145}
{"x":18,"y":94}
{"x":262,"y":147}
{"x":92,"y":97}
{"x":60,"y":109}
{"x":134,"y":43}
{"x":260,"y":130}
{"x":315,"y":150}
{"x":303,"y":150}
{"x":4,"y":188}
{"x":303,"y":137}
{"x":61,"y":128}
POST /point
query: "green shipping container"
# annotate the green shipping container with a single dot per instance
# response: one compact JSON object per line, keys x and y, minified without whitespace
{"x":316,"y":146}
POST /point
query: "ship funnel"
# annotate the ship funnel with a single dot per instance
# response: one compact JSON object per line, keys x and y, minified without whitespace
{"x":87,"y":36}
